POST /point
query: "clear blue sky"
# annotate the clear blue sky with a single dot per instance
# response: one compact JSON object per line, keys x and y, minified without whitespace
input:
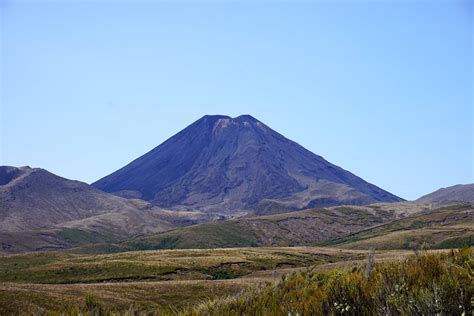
{"x":381,"y":88}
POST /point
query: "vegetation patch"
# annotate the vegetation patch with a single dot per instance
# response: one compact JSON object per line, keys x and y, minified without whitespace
{"x":228,"y":272}
{"x":427,"y":284}
{"x":447,"y":227}
{"x":65,"y":268}
{"x":80,"y":237}
{"x":457,"y":242}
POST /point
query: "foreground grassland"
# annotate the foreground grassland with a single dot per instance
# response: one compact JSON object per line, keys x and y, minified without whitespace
{"x":191,"y":264}
{"x":158,"y":281}
{"x":242,"y":281}
{"x":157,"y":297}
{"x":425,"y":284}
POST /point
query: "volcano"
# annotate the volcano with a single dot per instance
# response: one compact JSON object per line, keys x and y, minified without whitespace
{"x":231,"y":165}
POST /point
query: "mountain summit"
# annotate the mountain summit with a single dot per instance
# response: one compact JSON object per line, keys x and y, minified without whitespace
{"x":223,"y":164}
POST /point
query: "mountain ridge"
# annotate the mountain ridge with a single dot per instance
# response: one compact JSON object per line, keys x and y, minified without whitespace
{"x":455,"y":193}
{"x":41,"y":211}
{"x":300,"y":228}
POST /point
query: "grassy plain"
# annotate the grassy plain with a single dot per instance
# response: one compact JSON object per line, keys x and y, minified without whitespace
{"x":163,"y":280}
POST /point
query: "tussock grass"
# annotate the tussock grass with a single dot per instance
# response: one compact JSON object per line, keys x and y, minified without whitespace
{"x":423,"y":284}
{"x":66,"y":268}
{"x":384,"y":283}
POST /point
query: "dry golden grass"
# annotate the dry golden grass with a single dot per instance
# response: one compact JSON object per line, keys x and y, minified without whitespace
{"x":428,"y":283}
{"x":155,"y":295}
{"x":449,"y":226}
{"x":162,"y":264}
{"x":405,"y":239}
{"x":189,"y":283}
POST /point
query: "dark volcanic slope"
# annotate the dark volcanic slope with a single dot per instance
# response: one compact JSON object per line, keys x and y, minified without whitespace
{"x":455,"y":193}
{"x":220,"y":163}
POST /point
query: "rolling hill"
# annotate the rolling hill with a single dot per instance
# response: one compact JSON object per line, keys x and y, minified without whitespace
{"x":450,"y":226}
{"x":301,"y":228}
{"x":40,"y":211}
{"x":456,"y":193}
{"x":232,"y":165}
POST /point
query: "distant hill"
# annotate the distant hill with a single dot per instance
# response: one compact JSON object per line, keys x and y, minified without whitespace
{"x":301,"y":228}
{"x":40,"y":211}
{"x":227,"y":165}
{"x":455,"y":193}
{"x":450,"y":226}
